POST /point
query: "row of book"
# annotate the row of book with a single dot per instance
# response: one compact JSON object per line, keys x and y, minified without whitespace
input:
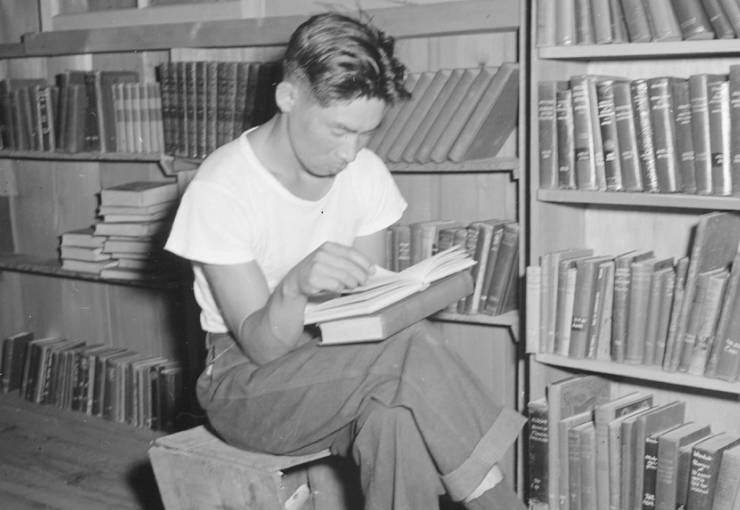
{"x":127,"y":243}
{"x":643,"y":309}
{"x":206,"y":104}
{"x":589,"y":449}
{"x":493,"y":244}
{"x":454,"y":115}
{"x":572,"y":22}
{"x":108,"y":382}
{"x":659,"y":135}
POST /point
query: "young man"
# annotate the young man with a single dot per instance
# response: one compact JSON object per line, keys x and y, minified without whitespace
{"x":296,"y":208}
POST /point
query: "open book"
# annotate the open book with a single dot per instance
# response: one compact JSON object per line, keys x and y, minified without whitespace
{"x":386,"y":288}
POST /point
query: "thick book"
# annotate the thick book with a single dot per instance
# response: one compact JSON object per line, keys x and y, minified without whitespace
{"x":650,"y":470}
{"x":505,"y":264}
{"x":83,"y":253}
{"x":719,"y":20}
{"x":588,"y":466}
{"x":718,"y":96}
{"x":667,"y":292}
{"x":566,"y":139}
{"x":732,"y":10}
{"x":638,"y":24}
{"x":622,"y":289}
{"x":699,"y":93}
{"x":102,"y":83}
{"x":602,"y":21}
{"x":603,"y":415}
{"x":570,"y":459}
{"x":8,"y":85}
{"x":565,"y":22}
{"x":668,"y":459}
{"x":566,"y":285}
{"x":495,"y":249}
{"x":139,"y":193}
{"x":714,"y":246}
{"x":663,"y":22}
{"x":399,"y":315}
{"x":547,"y":133}
{"x":31,"y":365}
{"x":617,"y":458}
{"x":584,"y":22}
{"x":545,"y":29}
{"x":685,"y":460}
{"x":618,"y":23}
{"x":695,"y":358}
{"x":424,"y":238}
{"x":724,"y":359}
{"x":706,"y":459}
{"x":684,"y":134}
{"x":679,"y":291}
{"x":387,"y":287}
{"x":693,"y":20}
{"x":441,"y":150}
{"x":654,"y":312}
{"x":537,"y":446}
{"x":600,"y":341}
{"x":629,"y":153}
{"x":419,"y":107}
{"x":583,"y":305}
{"x":132,"y":229}
{"x":14,"y":350}
{"x":728,"y":480}
{"x":493,"y":119}
{"x":567,"y":398}
{"x":644,"y":132}
{"x":663,"y":118}
{"x":609,"y":135}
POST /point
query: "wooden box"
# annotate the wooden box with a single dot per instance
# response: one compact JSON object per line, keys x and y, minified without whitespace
{"x":195,"y":470}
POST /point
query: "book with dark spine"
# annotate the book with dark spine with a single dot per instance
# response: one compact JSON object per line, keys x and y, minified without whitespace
{"x":609,"y":135}
{"x":684,"y":134}
{"x":566,"y":143}
{"x":718,"y":96}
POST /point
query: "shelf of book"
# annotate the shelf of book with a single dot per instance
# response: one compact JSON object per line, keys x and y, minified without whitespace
{"x":483,"y":165}
{"x":689,"y":49}
{"x":81,"y":156}
{"x":509,"y":320}
{"x":20,"y":263}
{"x":658,"y":200}
{"x":640,"y":372}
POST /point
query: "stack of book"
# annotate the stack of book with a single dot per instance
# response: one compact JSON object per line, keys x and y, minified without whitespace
{"x":634,"y":21}
{"x":493,"y":244}
{"x":454,"y":115}
{"x":659,"y":135}
{"x":98,"y":380}
{"x":206,"y":104}
{"x":136,"y":218}
{"x":642,"y":309}
{"x":138,"y":116}
{"x":81,"y":250}
{"x":590,"y":448}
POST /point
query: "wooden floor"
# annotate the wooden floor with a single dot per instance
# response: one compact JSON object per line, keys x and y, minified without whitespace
{"x":53,"y":459}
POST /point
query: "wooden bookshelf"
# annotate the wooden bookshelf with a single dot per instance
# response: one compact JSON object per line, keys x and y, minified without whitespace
{"x":640,"y":51}
{"x":653,"y":200}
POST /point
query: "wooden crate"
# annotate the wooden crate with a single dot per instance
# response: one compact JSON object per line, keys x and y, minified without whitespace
{"x":195,"y":470}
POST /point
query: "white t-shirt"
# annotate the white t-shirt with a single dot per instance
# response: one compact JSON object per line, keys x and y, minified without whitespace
{"x":236,"y":211}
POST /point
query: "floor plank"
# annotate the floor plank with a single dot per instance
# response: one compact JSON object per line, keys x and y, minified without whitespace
{"x":53,"y":459}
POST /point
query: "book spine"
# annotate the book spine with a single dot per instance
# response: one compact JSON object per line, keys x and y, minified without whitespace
{"x":719,"y":20}
{"x":8,"y":350}
{"x":603,"y":348}
{"x":566,"y":143}
{"x":684,"y":134}
{"x":672,"y":345}
{"x":704,"y":469}
{"x":692,"y":20}
{"x":637,"y":315}
{"x":664,"y":24}
{"x":565,"y":22}
{"x":666,"y":306}
{"x":624,"y":119}
{"x":582,"y":308}
{"x":533,"y":283}
{"x":705,"y":336}
{"x":602,"y":22}
{"x":609,"y":136}
{"x":588,"y":468}
{"x":584,"y":22}
{"x":650,"y":473}
{"x":545,"y":28}
{"x":211,"y":108}
{"x":618,"y":23}
{"x":660,"y":95}
{"x":700,"y":126}
{"x":537,"y":453}
{"x":547,"y":134}
{"x":732,"y":10}
{"x":622,"y":277}
{"x":645,"y":133}
{"x":573,"y":463}
{"x":583,"y":131}
{"x":655,"y":293}
{"x":636,"y":18}
{"x":505,"y":264}
{"x":718,"y":93}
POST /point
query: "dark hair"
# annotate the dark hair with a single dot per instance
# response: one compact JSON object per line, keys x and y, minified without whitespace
{"x":340,"y":58}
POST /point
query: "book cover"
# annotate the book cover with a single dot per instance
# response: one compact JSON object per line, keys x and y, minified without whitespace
{"x":132,"y":229}
{"x":584,"y":22}
{"x":83,"y":253}
{"x":566,"y":284}
{"x":471,"y":304}
{"x":588,"y":465}
{"x":424,"y":238}
{"x":102,"y":83}
{"x":663,"y":118}
{"x":386,"y":287}
{"x":547,"y":133}
{"x":636,"y":18}
{"x":589,"y":148}
{"x":247,"y":86}
{"x":732,"y":11}
{"x":693,"y":20}
{"x":645,"y":133}
{"x":654,"y":308}
{"x":409,"y":154}
{"x":583,"y":305}
{"x":603,"y":415}
{"x":14,"y":351}
{"x":537,"y":446}
{"x":496,"y":238}
{"x":683,"y":481}
{"x":545,"y":28}
{"x":567,"y":178}
{"x":617,"y":458}
{"x":650,"y":471}
{"x":533,"y":285}
{"x":441,"y":150}
{"x":719,"y":20}
{"x":31,"y":365}
{"x":139,"y":193}
{"x":679,"y":290}
{"x":624,"y":119}
{"x":493,"y":118}
{"x":684,"y":134}
{"x":565,"y":22}
{"x":609,"y":135}
{"x":419,"y":107}
{"x":503,"y":268}
{"x":695,"y":358}
{"x":393,"y":318}
{"x":622,"y":293}
{"x":391,"y":114}
{"x":706,"y":459}
{"x":668,"y":460}
{"x":718,"y":95}
{"x":699,"y":94}
{"x":714,"y":246}
{"x":601,"y":326}
{"x":654,"y":421}
{"x":663,"y":22}
{"x":724,"y":359}
{"x":570,"y":463}
{"x":566,"y":398}
{"x":618,"y":23}
{"x":667,"y":291}
{"x":728,"y":480}
{"x":602,"y":21}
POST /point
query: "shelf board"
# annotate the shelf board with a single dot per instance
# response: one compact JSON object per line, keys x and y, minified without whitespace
{"x":639,"y":372}
{"x":668,"y":200}
{"x":481,"y":165}
{"x":80,"y":156}
{"x":13,"y":50}
{"x":30,"y":264}
{"x":508,"y":319}
{"x":634,"y":51}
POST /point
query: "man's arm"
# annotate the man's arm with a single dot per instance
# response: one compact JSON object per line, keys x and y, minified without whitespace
{"x":268,"y":326}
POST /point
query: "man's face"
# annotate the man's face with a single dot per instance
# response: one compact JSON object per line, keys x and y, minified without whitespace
{"x":326,"y":139}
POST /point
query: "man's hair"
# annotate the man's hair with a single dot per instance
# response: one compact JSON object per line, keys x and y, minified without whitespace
{"x":339,"y":58}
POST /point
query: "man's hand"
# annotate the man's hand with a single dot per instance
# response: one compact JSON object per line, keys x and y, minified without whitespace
{"x":330,"y":268}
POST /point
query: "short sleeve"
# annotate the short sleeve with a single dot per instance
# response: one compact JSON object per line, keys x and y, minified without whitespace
{"x":383,"y":203}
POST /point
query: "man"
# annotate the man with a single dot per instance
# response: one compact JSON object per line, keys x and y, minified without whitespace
{"x":297,"y":208}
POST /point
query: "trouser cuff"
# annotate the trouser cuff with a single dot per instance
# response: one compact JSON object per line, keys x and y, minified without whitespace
{"x":490,"y":449}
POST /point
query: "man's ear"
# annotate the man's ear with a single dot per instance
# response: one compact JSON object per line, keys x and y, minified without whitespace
{"x":286,"y":94}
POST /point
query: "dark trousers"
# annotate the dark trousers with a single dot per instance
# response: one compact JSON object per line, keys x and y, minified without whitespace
{"x":407,"y":410}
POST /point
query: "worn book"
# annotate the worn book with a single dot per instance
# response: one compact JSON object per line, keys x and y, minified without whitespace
{"x":570,"y":459}
{"x":719,"y":20}
{"x":663,"y":22}
{"x":537,"y":446}
{"x":609,"y":135}
{"x":139,"y":193}
{"x":505,"y":269}
{"x":587,"y":273}
{"x":387,"y":287}
{"x":728,"y":480}
{"x":663,"y":118}
{"x":83,"y":253}
{"x":132,"y":229}
{"x":636,"y":17}
{"x":616,"y":458}
{"x":645,"y":134}
{"x":624,"y":119}
{"x":684,"y":134}
{"x":533,"y":286}
{"x":587,"y":461}
{"x":547,"y":133}
{"x":14,"y":349}
{"x":724,"y":359}
{"x":566,"y":139}
{"x":622,"y":285}
{"x":706,"y":459}
{"x":693,"y":20}
{"x":399,"y":315}
{"x":734,"y":97}
{"x":679,"y":291}
{"x":600,"y":341}
{"x":699,"y":92}
{"x":718,"y":97}
{"x":584,"y":22}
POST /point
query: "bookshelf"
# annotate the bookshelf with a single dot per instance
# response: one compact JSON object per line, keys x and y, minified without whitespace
{"x":612,"y":222}
{"x":53,"y":192}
